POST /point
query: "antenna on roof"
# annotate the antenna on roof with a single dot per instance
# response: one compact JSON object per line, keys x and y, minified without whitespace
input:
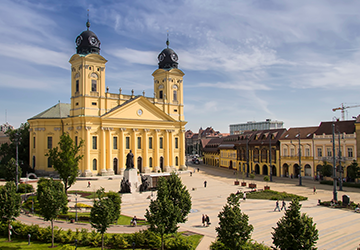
{"x":167,"y":40}
{"x":88,"y":20}
{"x":5,"y":115}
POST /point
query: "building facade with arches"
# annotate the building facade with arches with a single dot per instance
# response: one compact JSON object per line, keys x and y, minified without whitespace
{"x":112,"y":124}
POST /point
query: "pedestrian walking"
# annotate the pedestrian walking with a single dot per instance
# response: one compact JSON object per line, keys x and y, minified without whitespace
{"x":277,"y":206}
{"x":203,"y":220}
{"x":190,"y":173}
{"x":207,"y":220}
{"x":89,"y":184}
{"x":244,"y":196}
{"x":205,"y":182}
{"x":283,"y":205}
{"x":314,"y":190}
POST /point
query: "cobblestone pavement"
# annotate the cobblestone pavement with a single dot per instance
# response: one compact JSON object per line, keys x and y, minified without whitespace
{"x":338,"y":228}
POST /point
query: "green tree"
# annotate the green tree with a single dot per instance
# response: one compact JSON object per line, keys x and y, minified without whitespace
{"x":52,"y":200}
{"x":9,"y":171}
{"x":116,"y":200}
{"x":172,"y":205}
{"x":10,"y":203}
{"x":65,"y":159}
{"x":234,"y":230}
{"x":353,"y":171}
{"x":101,"y":215}
{"x":8,"y":150}
{"x":295,"y":230}
{"x":326,"y":169}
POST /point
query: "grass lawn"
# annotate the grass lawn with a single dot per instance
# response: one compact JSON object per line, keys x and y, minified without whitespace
{"x":123,"y":220}
{"x":273,"y":195}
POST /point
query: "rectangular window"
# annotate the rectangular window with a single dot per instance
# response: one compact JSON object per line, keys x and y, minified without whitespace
{"x":292,"y":152}
{"x":49,"y":142}
{"x":175,"y":95}
{"x":94,"y":142}
{"x":176,"y":142}
{"x":150,"y":162}
{"x":139,"y":142}
{"x":49,"y":163}
{"x":77,"y":86}
{"x":161,"y":142}
{"x":307,"y":151}
{"x":93,"y":86}
{"x":34,"y":141}
{"x":76,"y":140}
{"x":285,"y":152}
{"x":115,"y":142}
{"x":127,"y":142}
{"x":350,"y":152}
{"x":319,"y":152}
{"x":161,"y":94}
{"x":328,"y":150}
{"x":150,"y":142}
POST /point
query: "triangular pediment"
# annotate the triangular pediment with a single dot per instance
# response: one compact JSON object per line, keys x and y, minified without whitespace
{"x":138,"y":108}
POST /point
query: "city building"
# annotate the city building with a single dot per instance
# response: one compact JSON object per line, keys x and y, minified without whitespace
{"x":196,"y":142}
{"x":252,"y":125}
{"x":112,"y":124}
{"x":248,"y":152}
{"x":4,"y":138}
{"x":290,"y":142}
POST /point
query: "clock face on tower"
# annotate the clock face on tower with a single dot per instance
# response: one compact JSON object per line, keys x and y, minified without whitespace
{"x":93,"y":41}
{"x":174,"y":57}
{"x":78,"y":40}
{"x":161,"y":57}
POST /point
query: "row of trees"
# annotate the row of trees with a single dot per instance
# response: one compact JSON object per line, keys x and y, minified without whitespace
{"x":353,"y":170}
{"x":293,"y":231}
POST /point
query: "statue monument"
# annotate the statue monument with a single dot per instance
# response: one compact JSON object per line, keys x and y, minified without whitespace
{"x":130,"y":181}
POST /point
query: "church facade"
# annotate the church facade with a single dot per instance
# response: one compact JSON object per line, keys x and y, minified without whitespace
{"x":112,"y":124}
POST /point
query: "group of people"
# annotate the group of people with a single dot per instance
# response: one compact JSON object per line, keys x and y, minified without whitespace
{"x":277,"y":207}
{"x":205,"y":220}
{"x":133,"y":221}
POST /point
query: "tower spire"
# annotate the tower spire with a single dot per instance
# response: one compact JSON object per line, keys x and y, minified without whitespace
{"x":167,"y":40}
{"x":88,"y":20}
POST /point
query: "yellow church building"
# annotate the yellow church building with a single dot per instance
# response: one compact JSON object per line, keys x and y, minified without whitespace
{"x":112,"y":124}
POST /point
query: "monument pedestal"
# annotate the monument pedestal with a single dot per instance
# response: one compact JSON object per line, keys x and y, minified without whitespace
{"x":132,"y":177}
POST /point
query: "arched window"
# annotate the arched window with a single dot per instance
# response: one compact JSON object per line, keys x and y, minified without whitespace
{"x":175,"y":95}
{"x":150,"y":162}
{"x":77,"y":86}
{"x":93,"y":85}
{"x":160,"y":94}
{"x":49,"y":162}
{"x":94,"y":164}
{"x":176,"y":161}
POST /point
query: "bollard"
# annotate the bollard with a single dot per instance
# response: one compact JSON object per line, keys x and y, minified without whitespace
{"x":29,"y":236}
{"x":133,"y":245}
{"x":75,"y":244}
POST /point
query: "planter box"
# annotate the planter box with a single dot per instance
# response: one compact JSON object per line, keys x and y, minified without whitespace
{"x":252,"y":185}
{"x":243,"y":184}
{"x":266,"y":188}
{"x":236,"y":182}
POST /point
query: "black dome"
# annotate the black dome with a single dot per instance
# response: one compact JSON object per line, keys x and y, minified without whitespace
{"x":87,"y":42}
{"x":168,"y":58}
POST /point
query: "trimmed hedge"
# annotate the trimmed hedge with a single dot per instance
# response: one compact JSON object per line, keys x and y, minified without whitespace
{"x":22,"y":187}
{"x":274,"y":195}
{"x":143,"y":239}
{"x":345,"y":184}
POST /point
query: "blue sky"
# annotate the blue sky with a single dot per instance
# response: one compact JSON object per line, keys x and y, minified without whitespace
{"x":291,"y":61}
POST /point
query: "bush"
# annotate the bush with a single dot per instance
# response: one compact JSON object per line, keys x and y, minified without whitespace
{"x":83,"y":205}
{"x":345,"y":184}
{"x":178,"y":242}
{"x":118,"y":241}
{"x":274,"y":195}
{"x":22,"y":187}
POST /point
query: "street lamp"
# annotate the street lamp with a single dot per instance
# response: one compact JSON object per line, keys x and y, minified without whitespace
{"x":76,"y":216}
{"x":247,"y":156}
{"x":334,"y":163}
{"x":17,"y":142}
{"x":300,"y":183}
{"x":270,"y":158}
{"x":340,"y":170}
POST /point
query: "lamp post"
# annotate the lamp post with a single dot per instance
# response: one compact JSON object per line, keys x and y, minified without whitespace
{"x":17,"y":142}
{"x":300,"y":182}
{"x":76,"y":215}
{"x":270,"y":158}
{"x":247,"y":156}
{"x":340,"y":170}
{"x":334,"y":163}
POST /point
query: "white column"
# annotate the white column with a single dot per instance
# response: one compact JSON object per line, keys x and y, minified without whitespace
{"x":88,"y":162}
{"x":102,"y":148}
{"x":110,"y":162}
